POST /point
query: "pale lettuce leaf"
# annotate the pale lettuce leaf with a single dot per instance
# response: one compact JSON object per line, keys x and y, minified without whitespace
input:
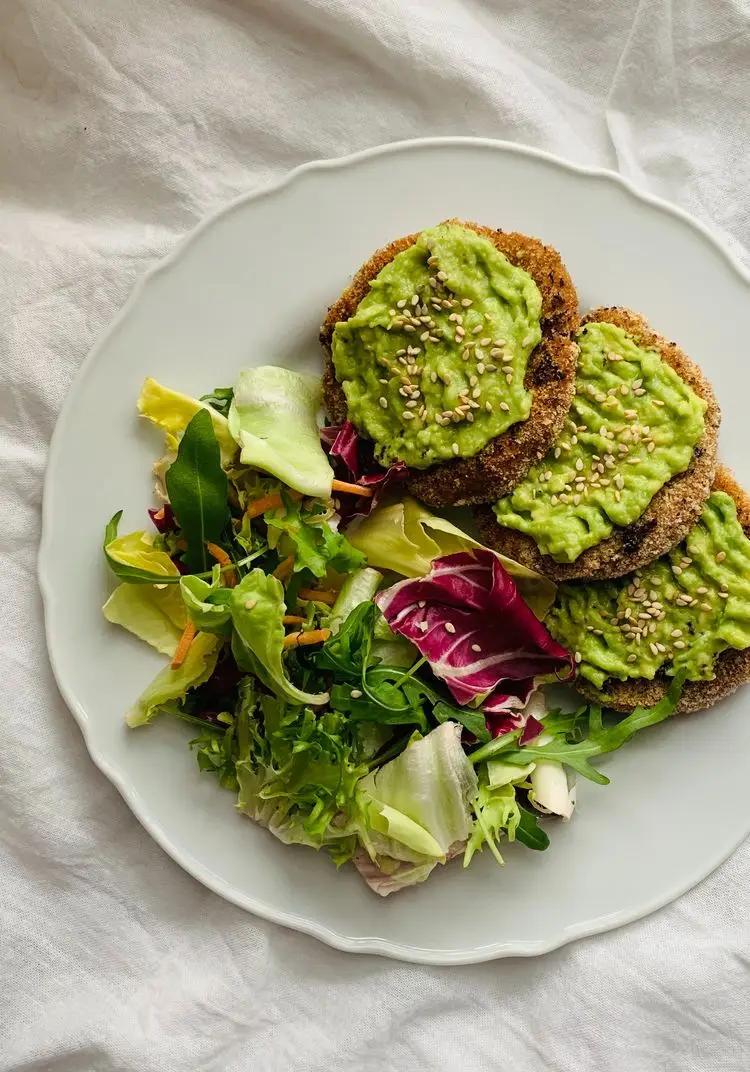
{"x":172,"y":411}
{"x":137,"y":549}
{"x":152,"y":613}
{"x":405,"y":537}
{"x":417,"y":808}
{"x":273,"y":418}
{"x":170,"y":684}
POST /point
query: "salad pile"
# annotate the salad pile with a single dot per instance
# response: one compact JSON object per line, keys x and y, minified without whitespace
{"x":361,"y":674}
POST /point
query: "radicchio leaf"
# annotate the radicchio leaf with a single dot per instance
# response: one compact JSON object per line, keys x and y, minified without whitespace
{"x":479,"y":637}
{"x":163,"y":518}
{"x":353,"y":460}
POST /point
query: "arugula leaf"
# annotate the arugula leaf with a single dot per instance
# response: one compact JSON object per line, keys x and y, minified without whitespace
{"x":198,"y":488}
{"x":220,"y":399}
{"x":348,"y":650}
{"x":471,"y":719}
{"x":599,"y":740}
{"x":529,"y":832}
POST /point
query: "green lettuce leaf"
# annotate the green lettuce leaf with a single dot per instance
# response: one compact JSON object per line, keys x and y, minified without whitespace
{"x":219,"y":399}
{"x":273,"y":417}
{"x":405,"y":537}
{"x":207,"y":603}
{"x":198,"y":490}
{"x":316,"y":546}
{"x":154,"y":614}
{"x":170,"y":684}
{"x":297,"y":773}
{"x":257,"y":607}
{"x":497,"y":815}
{"x":172,"y":412}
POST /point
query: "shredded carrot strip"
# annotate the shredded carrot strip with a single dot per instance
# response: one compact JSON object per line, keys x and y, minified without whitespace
{"x":187,"y":638}
{"x":314,"y":636}
{"x":318,"y":594}
{"x":292,"y":619}
{"x":268,"y":502}
{"x":284,"y":568}
{"x":223,"y":559}
{"x":351,"y":489}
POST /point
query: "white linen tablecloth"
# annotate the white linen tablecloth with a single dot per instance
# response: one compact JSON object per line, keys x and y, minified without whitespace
{"x":122,"y":123}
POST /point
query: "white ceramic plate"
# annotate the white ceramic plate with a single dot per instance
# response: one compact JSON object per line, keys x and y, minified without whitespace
{"x":251,"y":286}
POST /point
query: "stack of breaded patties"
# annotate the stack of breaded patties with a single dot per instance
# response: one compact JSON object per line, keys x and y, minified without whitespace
{"x":587,"y":446}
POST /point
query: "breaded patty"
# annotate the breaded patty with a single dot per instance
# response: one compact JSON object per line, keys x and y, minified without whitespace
{"x":732,"y":667}
{"x":550,"y":375}
{"x":671,"y":513}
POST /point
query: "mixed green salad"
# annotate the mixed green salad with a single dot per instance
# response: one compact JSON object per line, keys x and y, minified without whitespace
{"x":363,"y":676}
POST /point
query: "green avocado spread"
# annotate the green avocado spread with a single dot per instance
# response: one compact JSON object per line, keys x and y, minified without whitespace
{"x":678,"y":613}
{"x":632,"y":426}
{"x":432,"y":363}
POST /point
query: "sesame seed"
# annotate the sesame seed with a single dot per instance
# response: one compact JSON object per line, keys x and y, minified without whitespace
{"x":407,"y":416}
{"x":409,"y":327}
{"x":657,"y":401}
{"x":723,"y":595}
{"x":632,"y":658}
{"x":415,"y":299}
{"x":383,"y":402}
{"x":355,"y":694}
{"x":423,"y":626}
{"x":401,"y":303}
{"x":250,"y":604}
{"x":412,"y":403}
{"x":454,"y":448}
{"x":480,"y":368}
{"x":706,"y":607}
{"x":475,"y":647}
{"x":721,"y":556}
{"x":639,"y":392}
{"x":654,"y":648}
{"x":578,"y":656}
{"x":505,"y":407}
{"x":476,"y":330}
{"x":466,"y":302}
{"x":450,"y":627}
{"x":528,"y":340}
{"x":485,"y":342}
{"x":579,"y":465}
{"x":442,"y":276}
